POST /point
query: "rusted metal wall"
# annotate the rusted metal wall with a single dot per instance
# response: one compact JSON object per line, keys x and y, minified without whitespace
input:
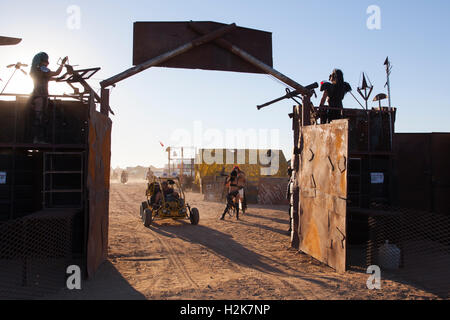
{"x":272,"y":191}
{"x":213,"y":188}
{"x":152,"y":39}
{"x":267,"y":190}
{"x":440,"y":172}
{"x":249,"y":161}
{"x":423,"y":171}
{"x":98,"y":188}
{"x":322,"y":178}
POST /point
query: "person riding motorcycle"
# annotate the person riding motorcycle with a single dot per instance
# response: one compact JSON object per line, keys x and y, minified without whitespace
{"x":235,"y":182}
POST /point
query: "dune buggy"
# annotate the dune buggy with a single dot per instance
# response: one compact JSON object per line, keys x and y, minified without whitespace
{"x":166,"y":200}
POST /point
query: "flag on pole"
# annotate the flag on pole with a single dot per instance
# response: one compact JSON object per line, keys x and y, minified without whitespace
{"x":162,"y":145}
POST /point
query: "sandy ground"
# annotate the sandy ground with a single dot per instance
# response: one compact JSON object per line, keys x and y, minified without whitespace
{"x":246,"y":259}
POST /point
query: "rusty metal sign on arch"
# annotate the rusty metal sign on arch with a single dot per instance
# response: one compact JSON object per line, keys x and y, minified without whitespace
{"x":151,"y":39}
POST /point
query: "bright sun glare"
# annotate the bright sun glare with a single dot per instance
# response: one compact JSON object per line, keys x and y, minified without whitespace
{"x":20,"y":83}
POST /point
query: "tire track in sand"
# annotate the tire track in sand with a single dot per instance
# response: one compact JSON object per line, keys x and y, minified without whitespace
{"x":171,"y":254}
{"x":135,"y":224}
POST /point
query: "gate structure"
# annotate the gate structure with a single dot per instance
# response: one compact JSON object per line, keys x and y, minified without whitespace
{"x":336,"y":170}
{"x":322,"y":179}
{"x":368,"y":196}
{"x":53,"y":196}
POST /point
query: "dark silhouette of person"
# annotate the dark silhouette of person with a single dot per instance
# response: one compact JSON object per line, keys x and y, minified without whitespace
{"x":335,"y":91}
{"x":41,"y":75}
{"x":235,"y":182}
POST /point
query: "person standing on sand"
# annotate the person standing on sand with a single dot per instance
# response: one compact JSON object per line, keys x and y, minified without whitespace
{"x":241,"y":181}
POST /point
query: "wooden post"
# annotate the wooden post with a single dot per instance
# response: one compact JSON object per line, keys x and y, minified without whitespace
{"x":104,"y":101}
{"x":168,"y":55}
{"x":181,"y":168}
{"x":168,"y":152}
{"x":306,"y":111}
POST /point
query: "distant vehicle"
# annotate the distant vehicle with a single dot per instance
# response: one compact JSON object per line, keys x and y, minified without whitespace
{"x":170,"y":207}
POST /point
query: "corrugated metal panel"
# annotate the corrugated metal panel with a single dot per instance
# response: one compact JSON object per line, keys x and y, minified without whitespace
{"x":213,"y":188}
{"x":440,"y":149}
{"x":422,"y":169}
{"x":152,"y":39}
{"x":98,"y":186}
{"x":323,"y":190}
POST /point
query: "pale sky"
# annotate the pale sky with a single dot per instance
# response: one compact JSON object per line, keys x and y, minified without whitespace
{"x":309,"y":39}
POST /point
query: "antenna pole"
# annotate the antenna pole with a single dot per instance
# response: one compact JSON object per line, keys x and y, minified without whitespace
{"x":365,"y":93}
{"x":8,"y":81}
{"x":168,"y":153}
{"x":388,"y":83}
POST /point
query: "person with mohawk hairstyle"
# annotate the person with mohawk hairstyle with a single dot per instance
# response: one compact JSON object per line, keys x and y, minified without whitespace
{"x":41,"y":75}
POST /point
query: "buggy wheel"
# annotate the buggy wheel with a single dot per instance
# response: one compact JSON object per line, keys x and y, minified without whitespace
{"x":147,"y":217}
{"x":194,"y":216}
{"x":144,"y":206}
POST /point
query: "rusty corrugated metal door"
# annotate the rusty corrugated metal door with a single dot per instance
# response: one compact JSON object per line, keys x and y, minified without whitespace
{"x":98,"y":188}
{"x":323,"y":191}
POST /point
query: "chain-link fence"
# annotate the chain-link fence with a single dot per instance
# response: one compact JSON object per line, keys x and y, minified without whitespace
{"x":413,"y":246}
{"x":34,"y":253}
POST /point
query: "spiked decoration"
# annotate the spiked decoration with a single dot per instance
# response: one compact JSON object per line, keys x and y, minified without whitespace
{"x":366,"y":87}
{"x":380,"y":97}
{"x":17,"y":66}
{"x":387,"y":63}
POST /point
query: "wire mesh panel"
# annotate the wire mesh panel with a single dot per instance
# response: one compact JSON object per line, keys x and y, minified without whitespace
{"x":412,"y":245}
{"x":34,"y":253}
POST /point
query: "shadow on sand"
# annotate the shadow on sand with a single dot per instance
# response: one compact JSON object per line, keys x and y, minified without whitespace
{"x":223,"y":245}
{"x":277,"y":220}
{"x":107,"y":284}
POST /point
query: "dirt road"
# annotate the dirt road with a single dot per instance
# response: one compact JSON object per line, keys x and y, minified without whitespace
{"x":246,"y":259}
